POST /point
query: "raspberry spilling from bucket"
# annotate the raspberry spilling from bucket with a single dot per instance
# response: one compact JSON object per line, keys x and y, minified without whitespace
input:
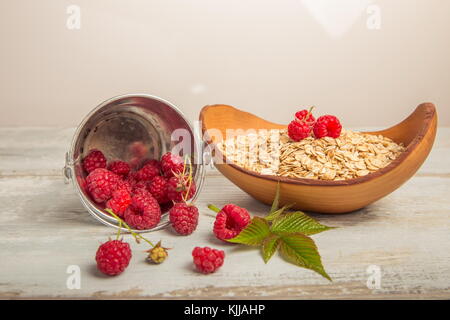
{"x":94,"y":160}
{"x":139,"y":195}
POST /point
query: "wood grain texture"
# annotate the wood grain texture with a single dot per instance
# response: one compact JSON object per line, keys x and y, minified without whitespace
{"x":417,"y":133}
{"x":44,"y":229}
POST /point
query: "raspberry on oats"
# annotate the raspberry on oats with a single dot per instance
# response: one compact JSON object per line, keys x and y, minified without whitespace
{"x":95,"y":159}
{"x":327,"y":126}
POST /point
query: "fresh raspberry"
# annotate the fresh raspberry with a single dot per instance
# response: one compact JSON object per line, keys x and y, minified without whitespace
{"x":327,"y":126}
{"x":119,"y":202}
{"x":207,"y":260}
{"x":171,"y":164}
{"x":184,"y":218}
{"x":124,"y":184}
{"x":230,"y":221}
{"x":144,"y":211}
{"x":120,"y":168}
{"x":113,"y":257}
{"x":147,"y":172}
{"x":301,"y":116}
{"x":180,"y":189}
{"x":95,"y":159}
{"x":101,"y":183}
{"x":158,"y":189}
{"x":298,"y":130}
{"x":140,"y":185}
{"x":153,"y":162}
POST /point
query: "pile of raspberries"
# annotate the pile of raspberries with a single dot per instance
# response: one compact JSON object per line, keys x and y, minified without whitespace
{"x":139,"y":196}
{"x":305,"y":125}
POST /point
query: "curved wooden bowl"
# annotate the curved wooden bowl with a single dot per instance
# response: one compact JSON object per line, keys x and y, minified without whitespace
{"x":417,"y":133}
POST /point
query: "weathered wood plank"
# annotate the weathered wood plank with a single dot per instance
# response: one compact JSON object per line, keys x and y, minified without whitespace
{"x":44,"y":229}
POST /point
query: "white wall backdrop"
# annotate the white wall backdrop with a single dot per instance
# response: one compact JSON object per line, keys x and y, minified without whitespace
{"x":267,"y":57}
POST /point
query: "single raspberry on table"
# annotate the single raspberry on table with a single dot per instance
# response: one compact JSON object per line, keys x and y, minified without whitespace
{"x":301,"y":127}
{"x":95,"y":159}
{"x":327,"y":126}
{"x":119,"y":202}
{"x":144,"y":211}
{"x":113,"y":257}
{"x":230,"y":221}
{"x":147,"y":172}
{"x":120,"y":168}
{"x":180,"y":188}
{"x":207,"y":260}
{"x":101,"y":183}
{"x":171,"y":164}
{"x":184,"y":218}
{"x":158,"y":189}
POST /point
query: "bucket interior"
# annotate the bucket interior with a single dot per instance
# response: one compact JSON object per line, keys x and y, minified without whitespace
{"x":132,"y":128}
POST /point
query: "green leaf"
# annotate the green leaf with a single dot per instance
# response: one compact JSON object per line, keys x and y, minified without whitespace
{"x":297,"y":221}
{"x":269,"y":247}
{"x":275,"y":214}
{"x":276,"y":200}
{"x":302,"y":251}
{"x":254,"y":233}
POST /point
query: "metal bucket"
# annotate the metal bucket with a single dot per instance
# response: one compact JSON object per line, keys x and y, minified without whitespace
{"x":132,"y":127}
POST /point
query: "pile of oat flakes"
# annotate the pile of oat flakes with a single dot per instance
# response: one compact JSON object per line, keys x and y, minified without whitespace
{"x":272,"y":152}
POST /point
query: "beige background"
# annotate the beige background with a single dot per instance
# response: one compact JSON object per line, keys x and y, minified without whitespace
{"x":267,"y":57}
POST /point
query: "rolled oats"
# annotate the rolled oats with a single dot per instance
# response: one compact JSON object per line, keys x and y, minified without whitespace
{"x":352,"y":155}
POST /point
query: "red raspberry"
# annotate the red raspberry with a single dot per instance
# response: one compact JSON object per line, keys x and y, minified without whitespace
{"x":230,"y":221}
{"x":171,"y":164}
{"x":113,"y":257}
{"x":207,"y":260}
{"x":144,"y":211}
{"x":101,"y":183}
{"x":184,"y":218}
{"x":95,"y":159}
{"x":119,"y":202}
{"x":327,"y":126}
{"x":179,"y":187}
{"x":147,"y":172}
{"x":153,"y":162}
{"x":124,"y":184}
{"x":158,"y":189}
{"x":298,"y":130}
{"x":120,"y":168}
{"x":301,"y":116}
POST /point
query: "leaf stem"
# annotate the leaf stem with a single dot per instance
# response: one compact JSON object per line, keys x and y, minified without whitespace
{"x":134,"y":234}
{"x":213,"y":208}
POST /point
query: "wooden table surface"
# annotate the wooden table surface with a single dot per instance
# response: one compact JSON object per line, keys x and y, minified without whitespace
{"x":44,"y":229}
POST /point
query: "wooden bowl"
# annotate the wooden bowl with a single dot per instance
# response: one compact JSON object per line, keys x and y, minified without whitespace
{"x":417,"y":133}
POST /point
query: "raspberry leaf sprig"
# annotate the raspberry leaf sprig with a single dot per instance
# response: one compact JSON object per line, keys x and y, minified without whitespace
{"x":157,"y":253}
{"x":287,"y":233}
